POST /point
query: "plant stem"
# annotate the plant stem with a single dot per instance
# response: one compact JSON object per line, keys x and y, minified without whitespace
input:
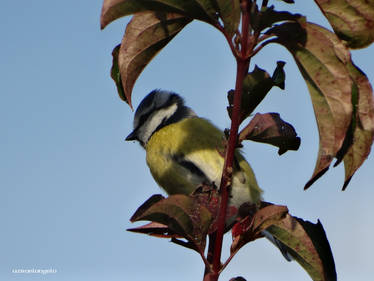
{"x":242,"y":69}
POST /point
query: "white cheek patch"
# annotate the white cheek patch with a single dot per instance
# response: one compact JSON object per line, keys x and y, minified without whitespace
{"x":154,"y":120}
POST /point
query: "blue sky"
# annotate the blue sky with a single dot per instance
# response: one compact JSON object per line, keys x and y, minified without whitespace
{"x":69,"y":182}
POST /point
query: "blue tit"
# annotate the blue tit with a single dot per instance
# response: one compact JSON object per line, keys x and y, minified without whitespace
{"x":183,"y":150}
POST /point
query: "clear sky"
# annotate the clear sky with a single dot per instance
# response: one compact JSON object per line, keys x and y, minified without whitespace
{"x":69,"y":182}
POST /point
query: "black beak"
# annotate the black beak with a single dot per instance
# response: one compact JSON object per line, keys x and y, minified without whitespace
{"x":132,"y":136}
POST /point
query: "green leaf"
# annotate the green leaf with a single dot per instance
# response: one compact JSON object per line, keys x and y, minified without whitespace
{"x":352,"y":20}
{"x":270,"y":128}
{"x":279,"y":76}
{"x":194,"y":9}
{"x":322,"y":61}
{"x":308,"y":244}
{"x":146,"y":34}
{"x":181,"y":214}
{"x":229,"y":11}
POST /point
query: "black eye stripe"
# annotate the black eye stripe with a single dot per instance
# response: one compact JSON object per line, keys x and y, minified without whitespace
{"x":144,"y":118}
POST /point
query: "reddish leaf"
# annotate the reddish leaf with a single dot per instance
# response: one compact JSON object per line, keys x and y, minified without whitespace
{"x":182,"y":214}
{"x":194,"y":9}
{"x":352,"y":20}
{"x":210,"y":198}
{"x":146,"y":205}
{"x":250,"y":228}
{"x":146,"y":34}
{"x":155,"y":229}
{"x":270,"y":128}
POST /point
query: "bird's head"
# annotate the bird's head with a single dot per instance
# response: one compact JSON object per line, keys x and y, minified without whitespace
{"x":157,"y":110}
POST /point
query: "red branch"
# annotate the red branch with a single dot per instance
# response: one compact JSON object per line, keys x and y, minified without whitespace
{"x":242,"y":60}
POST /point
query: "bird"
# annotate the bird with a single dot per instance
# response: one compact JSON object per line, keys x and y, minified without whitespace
{"x":183,"y":152}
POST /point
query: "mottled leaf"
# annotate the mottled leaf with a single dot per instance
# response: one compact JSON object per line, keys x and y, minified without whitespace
{"x":194,"y":9}
{"x":308,"y":245}
{"x":323,"y":63}
{"x":363,"y":128}
{"x":181,"y":214}
{"x":146,"y":34}
{"x":270,"y":128}
{"x":229,"y":11}
{"x":352,"y":20}
{"x":359,"y":137}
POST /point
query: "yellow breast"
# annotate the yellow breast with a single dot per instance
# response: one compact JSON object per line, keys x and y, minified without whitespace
{"x":196,"y":140}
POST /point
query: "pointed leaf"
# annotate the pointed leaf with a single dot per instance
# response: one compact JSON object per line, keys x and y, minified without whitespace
{"x":352,"y":20}
{"x":270,"y":128}
{"x":308,"y":244}
{"x":194,"y":9}
{"x":363,"y":131}
{"x":256,"y":85}
{"x":359,"y":137}
{"x":229,"y":11}
{"x":155,"y":229}
{"x":146,"y":34}
{"x":322,"y":61}
{"x":146,"y":205}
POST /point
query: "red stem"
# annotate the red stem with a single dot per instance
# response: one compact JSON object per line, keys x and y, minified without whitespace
{"x":242,"y":69}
